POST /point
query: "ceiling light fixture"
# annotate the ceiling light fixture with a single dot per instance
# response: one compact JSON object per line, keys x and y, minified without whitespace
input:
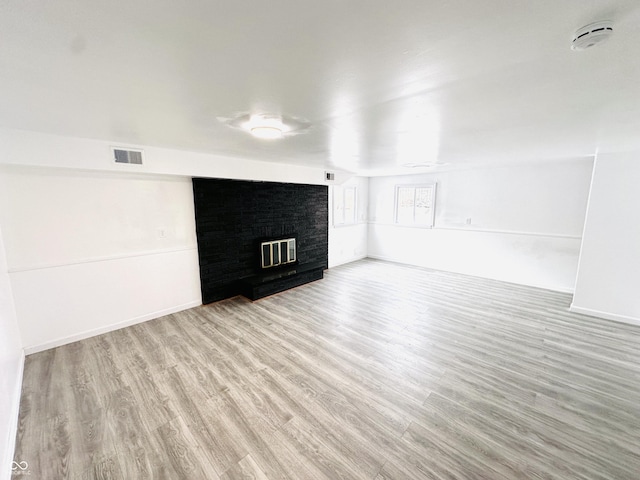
{"x":267,"y":126}
{"x":267,"y":133}
{"x":423,"y":164}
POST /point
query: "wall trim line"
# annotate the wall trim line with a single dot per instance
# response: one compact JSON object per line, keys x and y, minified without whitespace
{"x":108,"y":258}
{"x":109,"y":328}
{"x":606,"y":315}
{"x":481,"y":230}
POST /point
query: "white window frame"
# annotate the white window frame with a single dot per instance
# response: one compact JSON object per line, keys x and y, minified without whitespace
{"x":340,"y":193}
{"x":430,"y":218}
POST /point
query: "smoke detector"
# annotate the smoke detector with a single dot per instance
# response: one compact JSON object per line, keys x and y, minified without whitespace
{"x":590,"y":35}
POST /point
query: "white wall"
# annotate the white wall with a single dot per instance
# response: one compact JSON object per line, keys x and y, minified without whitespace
{"x":11,"y":363}
{"x":92,"y":245}
{"x":19,"y":147}
{"x":348,"y":243}
{"x":88,"y":252}
{"x":608,"y":283}
{"x":525,"y":222}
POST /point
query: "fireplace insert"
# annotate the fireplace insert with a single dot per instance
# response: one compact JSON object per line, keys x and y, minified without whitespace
{"x":278,"y":252}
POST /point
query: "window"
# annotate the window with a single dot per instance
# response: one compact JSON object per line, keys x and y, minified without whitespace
{"x":344,"y":205}
{"x":415,"y":205}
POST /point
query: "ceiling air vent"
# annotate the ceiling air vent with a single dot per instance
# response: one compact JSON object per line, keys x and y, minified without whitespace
{"x":132,"y":157}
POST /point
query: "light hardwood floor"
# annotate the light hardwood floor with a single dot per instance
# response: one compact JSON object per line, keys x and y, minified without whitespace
{"x":379,"y":371}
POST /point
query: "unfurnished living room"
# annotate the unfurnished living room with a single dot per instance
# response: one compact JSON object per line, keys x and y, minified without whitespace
{"x":320,"y":240}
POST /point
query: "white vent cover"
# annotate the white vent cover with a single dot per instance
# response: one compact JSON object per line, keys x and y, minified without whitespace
{"x":590,"y":35}
{"x":132,"y":157}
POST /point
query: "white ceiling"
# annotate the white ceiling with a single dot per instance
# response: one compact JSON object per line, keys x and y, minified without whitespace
{"x":382,"y":83}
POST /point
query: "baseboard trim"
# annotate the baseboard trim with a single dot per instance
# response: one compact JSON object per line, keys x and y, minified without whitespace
{"x":350,"y":260}
{"x":5,"y":473}
{"x":606,"y":315}
{"x":109,"y":328}
{"x":543,"y":287}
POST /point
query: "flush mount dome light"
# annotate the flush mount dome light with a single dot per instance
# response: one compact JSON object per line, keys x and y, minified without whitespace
{"x":268,"y":133}
{"x":591,"y":35}
{"x":423,"y":164}
{"x":267,"y":126}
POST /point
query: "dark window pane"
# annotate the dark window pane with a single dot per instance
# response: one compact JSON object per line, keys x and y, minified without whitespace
{"x":266,"y":255}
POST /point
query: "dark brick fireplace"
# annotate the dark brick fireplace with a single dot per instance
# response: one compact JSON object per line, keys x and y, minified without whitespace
{"x":234,"y":218}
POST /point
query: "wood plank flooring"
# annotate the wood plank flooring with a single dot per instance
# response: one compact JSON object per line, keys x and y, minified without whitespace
{"x":380,"y":371}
